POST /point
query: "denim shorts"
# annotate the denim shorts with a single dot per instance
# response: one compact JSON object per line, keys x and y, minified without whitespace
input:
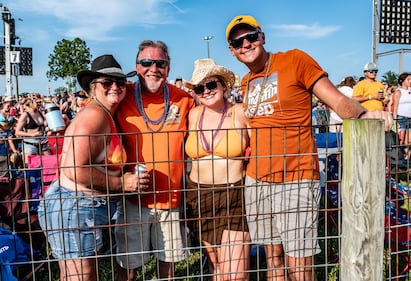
{"x":73,"y":222}
{"x":404,"y":122}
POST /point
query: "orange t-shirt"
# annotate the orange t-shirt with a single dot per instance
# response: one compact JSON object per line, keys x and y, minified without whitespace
{"x":282,"y":147}
{"x":161,"y":146}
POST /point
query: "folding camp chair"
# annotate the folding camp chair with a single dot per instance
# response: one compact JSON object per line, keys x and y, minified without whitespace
{"x":42,"y":171}
{"x":327,"y":143}
{"x":15,"y":253}
{"x":329,"y":146}
{"x":398,"y":222}
{"x":21,"y":227}
{"x":56,"y":144}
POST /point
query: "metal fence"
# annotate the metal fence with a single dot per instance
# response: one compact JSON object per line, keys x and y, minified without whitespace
{"x":25,"y":253}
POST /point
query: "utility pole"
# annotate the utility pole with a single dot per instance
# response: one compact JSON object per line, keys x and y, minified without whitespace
{"x":375,"y":34}
{"x":16,"y":72}
{"x":6,"y":19}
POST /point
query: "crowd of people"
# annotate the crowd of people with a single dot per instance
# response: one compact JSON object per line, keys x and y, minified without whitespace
{"x":372,"y":95}
{"x":23,"y":126}
{"x":243,"y":167}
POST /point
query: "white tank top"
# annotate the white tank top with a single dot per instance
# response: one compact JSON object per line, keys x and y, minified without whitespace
{"x":404,"y":104}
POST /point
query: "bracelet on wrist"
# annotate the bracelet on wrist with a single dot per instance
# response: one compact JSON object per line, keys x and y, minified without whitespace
{"x":361,"y":114}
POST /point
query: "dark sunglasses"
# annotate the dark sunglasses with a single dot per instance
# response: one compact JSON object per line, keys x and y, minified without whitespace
{"x":149,"y":63}
{"x":373,"y":70}
{"x":251,"y":37}
{"x":108,"y":83}
{"x":211,"y":85}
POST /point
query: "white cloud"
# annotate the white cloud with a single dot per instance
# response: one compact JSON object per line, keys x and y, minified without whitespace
{"x":99,"y":19}
{"x":313,"y":31}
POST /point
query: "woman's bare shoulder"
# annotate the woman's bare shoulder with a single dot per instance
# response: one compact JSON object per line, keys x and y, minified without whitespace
{"x":91,"y":120}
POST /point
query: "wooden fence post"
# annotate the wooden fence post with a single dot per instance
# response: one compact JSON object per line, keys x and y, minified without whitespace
{"x":363,"y":200}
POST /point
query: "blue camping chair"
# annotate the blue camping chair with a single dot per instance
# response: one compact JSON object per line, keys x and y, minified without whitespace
{"x":12,"y":250}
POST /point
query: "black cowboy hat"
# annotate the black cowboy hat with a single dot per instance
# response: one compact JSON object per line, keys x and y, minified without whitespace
{"x":105,"y":65}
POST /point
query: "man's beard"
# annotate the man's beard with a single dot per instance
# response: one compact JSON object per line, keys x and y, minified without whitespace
{"x":153,"y":87}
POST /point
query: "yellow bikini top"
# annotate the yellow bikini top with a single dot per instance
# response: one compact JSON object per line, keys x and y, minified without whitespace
{"x":229,"y":146}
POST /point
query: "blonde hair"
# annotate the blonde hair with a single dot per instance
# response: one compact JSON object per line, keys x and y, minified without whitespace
{"x":29,"y":103}
{"x":227,"y":92}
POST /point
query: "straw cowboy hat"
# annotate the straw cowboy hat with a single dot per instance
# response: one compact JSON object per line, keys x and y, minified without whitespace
{"x":105,"y":65}
{"x":9,"y":99}
{"x":204,"y":68}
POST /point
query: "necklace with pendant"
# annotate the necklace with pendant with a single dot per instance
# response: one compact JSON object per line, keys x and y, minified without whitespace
{"x":207,"y":146}
{"x":251,"y":111}
{"x":138,"y":95}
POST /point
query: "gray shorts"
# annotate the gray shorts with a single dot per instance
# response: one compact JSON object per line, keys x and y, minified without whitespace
{"x":35,"y":146}
{"x":284,"y":213}
{"x":141,"y":232}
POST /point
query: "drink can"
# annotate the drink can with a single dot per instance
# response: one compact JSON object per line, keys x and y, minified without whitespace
{"x":140,"y":168}
{"x":54,"y":118}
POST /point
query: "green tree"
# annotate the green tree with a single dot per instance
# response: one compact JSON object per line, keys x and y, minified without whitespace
{"x":59,"y":90}
{"x":390,"y":78}
{"x":68,"y":58}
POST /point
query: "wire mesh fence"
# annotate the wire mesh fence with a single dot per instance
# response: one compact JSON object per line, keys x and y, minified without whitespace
{"x":118,"y":223}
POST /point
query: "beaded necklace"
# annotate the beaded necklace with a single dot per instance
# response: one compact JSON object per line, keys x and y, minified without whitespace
{"x":138,"y":96}
{"x":102,"y":106}
{"x":207,"y":146}
{"x":106,"y":110}
{"x":251,"y":112}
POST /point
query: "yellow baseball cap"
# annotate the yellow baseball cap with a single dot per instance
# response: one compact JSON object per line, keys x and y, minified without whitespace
{"x":242,"y":19}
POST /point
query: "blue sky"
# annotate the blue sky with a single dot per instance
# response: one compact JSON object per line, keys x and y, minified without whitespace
{"x":337,"y":33}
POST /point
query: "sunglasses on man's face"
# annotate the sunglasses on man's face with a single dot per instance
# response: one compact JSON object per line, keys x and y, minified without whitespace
{"x":251,"y":37}
{"x":108,"y":83}
{"x":149,"y":63}
{"x":373,"y":70}
{"x":211,"y":85}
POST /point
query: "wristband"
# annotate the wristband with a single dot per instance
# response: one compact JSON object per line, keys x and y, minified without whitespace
{"x":361,"y":114}
{"x":369,"y":97}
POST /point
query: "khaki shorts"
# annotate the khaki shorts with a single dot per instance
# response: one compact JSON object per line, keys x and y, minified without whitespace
{"x":284,"y":213}
{"x":141,"y":232}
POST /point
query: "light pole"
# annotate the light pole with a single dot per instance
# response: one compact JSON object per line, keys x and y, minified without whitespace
{"x":208,"y":39}
{"x":375,"y":33}
{"x":6,"y":16}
